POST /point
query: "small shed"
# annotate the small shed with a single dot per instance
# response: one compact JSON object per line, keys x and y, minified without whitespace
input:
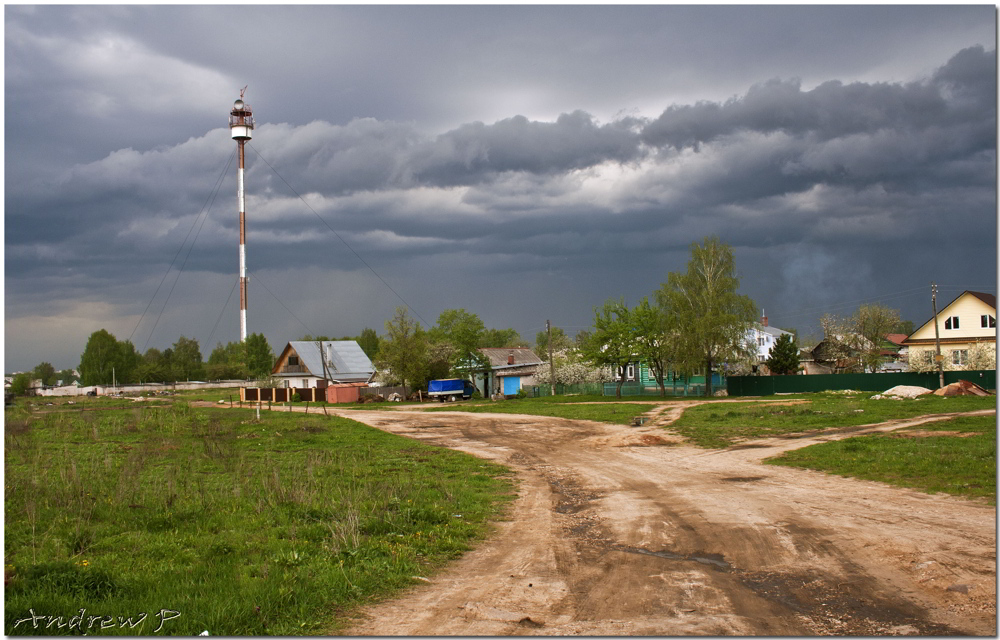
{"x":340,"y":393}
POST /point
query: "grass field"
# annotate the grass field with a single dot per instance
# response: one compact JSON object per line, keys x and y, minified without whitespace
{"x":719,"y":425}
{"x":182,"y":520}
{"x":956,"y":456}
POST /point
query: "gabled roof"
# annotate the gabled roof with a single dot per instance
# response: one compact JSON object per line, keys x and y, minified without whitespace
{"x":499,"y":357}
{"x":986,"y":298}
{"x":345,"y":360}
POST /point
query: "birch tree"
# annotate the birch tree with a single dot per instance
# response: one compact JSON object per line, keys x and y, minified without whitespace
{"x":710,"y":318}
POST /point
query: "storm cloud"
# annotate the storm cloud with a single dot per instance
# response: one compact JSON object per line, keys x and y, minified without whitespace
{"x":832,"y":187}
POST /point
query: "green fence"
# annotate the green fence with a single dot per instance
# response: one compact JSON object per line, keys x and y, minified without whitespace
{"x":539,"y":390}
{"x":672,"y":389}
{"x":769,"y":385}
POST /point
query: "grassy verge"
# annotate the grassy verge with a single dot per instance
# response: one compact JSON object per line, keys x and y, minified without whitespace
{"x":956,"y":456}
{"x":183,"y":520}
{"x":718,"y":425}
{"x":611,"y":412}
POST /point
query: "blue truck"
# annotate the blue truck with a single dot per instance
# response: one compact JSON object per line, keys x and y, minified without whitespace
{"x":451,"y":389}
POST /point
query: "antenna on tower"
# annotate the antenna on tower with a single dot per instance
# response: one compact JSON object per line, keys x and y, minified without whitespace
{"x":241,"y":126}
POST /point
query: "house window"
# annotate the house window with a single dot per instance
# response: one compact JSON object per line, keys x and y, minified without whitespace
{"x":630,"y":372}
{"x":988,"y":321}
{"x":951,"y":323}
{"x":293,"y":361}
{"x":960,"y":356}
{"x":760,"y":341}
{"x":284,"y":383}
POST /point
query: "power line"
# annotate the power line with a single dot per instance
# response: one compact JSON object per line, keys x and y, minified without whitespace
{"x":204,"y":210}
{"x":221,"y":313}
{"x":351,"y":249}
{"x":308,"y":330}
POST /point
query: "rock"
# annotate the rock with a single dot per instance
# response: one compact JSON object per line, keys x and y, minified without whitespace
{"x":960,"y":588}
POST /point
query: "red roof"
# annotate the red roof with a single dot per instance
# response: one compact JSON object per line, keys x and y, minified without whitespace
{"x":896,"y":338}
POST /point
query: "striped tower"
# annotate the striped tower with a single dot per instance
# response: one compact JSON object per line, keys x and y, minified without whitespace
{"x":241,"y":126}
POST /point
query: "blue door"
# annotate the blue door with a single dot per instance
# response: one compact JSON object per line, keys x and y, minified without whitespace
{"x":511,"y":385}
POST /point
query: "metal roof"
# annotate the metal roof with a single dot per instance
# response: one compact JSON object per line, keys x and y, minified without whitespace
{"x":345,"y":361}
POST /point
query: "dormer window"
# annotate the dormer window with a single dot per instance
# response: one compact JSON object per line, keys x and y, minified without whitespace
{"x":951,"y":323}
{"x":293,"y":361}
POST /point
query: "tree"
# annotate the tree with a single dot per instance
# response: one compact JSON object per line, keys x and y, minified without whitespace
{"x":857,"y":343}
{"x":403,"y":351}
{"x":784,"y":358}
{"x":711,"y":320}
{"x":613,"y":342}
{"x":258,"y":356}
{"x":464,"y":333}
{"x":21,"y":383}
{"x":226,"y":362}
{"x":98,"y":360}
{"x":368,"y":341}
{"x":185,"y":361}
{"x":654,"y":340}
{"x":154,"y":366}
{"x":45,"y":373}
{"x":904,"y":326}
{"x":499,"y":338}
{"x":560,"y":341}
{"x":67,"y":376}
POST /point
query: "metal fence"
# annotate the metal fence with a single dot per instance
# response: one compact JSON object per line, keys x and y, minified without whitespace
{"x":385,"y":392}
{"x":770,"y":385}
{"x":638,"y":389}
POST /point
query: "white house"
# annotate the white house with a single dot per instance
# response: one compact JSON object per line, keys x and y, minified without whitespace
{"x":303,"y":364}
{"x":765,"y":337}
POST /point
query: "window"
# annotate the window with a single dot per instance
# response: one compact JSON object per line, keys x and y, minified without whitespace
{"x":630,"y":373}
{"x":293,"y":361}
{"x":760,"y":341}
{"x":960,"y":356}
{"x":988,"y":321}
{"x":951,"y":323}
{"x":284,"y":383}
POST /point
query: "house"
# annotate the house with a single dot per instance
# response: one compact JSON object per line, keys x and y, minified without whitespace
{"x":895,"y":354}
{"x":966,"y":321}
{"x":765,"y":337}
{"x":303,"y":364}
{"x":510,"y":370}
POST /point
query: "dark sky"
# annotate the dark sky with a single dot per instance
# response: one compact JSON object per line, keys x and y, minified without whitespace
{"x":523,"y":163}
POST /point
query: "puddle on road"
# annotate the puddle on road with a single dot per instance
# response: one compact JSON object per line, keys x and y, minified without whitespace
{"x":714,"y":560}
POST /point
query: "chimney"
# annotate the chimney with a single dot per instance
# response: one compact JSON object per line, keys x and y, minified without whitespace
{"x":763,"y":319}
{"x":510,"y":358}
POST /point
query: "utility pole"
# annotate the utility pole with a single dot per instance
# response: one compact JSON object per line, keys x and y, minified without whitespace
{"x":552,"y":363}
{"x":938,"y":358}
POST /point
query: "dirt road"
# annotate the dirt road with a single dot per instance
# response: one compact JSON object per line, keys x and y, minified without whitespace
{"x":614,"y":533}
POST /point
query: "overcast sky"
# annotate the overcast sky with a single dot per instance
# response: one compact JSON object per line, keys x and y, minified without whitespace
{"x":523,"y":163}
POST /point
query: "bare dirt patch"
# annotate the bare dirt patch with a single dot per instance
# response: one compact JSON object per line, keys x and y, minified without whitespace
{"x":614,"y":534}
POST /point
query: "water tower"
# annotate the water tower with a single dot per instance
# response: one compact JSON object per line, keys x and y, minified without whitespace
{"x":241,"y":126}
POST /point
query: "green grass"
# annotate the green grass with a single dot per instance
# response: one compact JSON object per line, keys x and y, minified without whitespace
{"x":227,"y":524}
{"x":719,"y":425}
{"x":611,"y":412}
{"x":963,"y":466}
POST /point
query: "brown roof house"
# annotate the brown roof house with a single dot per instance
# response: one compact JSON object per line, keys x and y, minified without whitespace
{"x":510,"y":371}
{"x":967,"y":329}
